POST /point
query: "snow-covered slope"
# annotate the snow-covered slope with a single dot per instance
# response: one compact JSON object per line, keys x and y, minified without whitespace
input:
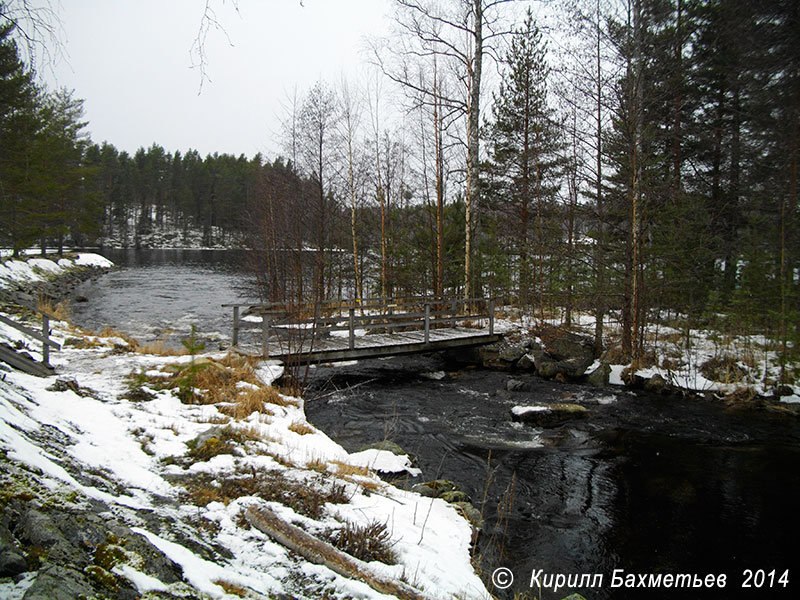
{"x":164,"y":486}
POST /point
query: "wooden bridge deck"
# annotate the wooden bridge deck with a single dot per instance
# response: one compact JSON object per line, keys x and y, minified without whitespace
{"x":333,"y":349}
{"x":341,"y":335}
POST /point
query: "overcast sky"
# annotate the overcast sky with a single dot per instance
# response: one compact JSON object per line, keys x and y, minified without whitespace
{"x":130,"y":62}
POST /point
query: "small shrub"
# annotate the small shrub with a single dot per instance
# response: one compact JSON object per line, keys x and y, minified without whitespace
{"x":365,"y":542}
{"x":724,"y":369}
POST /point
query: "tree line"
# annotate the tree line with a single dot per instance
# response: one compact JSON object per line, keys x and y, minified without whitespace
{"x":637,"y":160}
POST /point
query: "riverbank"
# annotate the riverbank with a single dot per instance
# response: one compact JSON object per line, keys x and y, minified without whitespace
{"x":137,"y":472}
{"x":698,"y":363}
{"x":50,"y":278}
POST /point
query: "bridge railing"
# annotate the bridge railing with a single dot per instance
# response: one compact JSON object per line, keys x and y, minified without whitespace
{"x":42,"y":337}
{"x":384,"y":315}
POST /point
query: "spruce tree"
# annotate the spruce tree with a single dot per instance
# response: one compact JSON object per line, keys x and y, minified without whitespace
{"x":523,"y":140}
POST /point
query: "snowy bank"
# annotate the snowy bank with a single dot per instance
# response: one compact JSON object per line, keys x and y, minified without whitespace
{"x":164,"y":455}
{"x":19,"y":272}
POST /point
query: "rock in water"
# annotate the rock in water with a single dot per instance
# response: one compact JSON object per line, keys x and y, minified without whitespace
{"x":548,"y":415}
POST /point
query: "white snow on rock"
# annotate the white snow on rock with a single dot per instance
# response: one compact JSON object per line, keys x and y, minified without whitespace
{"x":268,"y":371}
{"x":383,"y":461}
{"x":89,"y":259}
{"x":518,"y":411}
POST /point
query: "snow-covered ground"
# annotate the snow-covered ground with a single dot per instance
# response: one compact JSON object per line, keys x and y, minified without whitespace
{"x":34,"y":269}
{"x":708,"y":362}
{"x":148,"y":449}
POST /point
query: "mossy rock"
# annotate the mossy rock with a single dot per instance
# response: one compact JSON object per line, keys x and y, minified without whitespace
{"x":470,"y":513}
{"x":454,"y":496}
{"x":101,"y":577}
{"x":435,"y":488}
{"x":600,"y":376}
{"x":386,"y":445}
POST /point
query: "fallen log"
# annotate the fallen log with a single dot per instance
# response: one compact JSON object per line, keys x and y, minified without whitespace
{"x":318,"y":552}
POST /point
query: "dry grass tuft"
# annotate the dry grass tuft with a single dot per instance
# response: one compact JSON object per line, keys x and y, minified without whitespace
{"x":344,"y":469}
{"x":301,"y":428}
{"x":320,"y":466}
{"x":304,"y":497}
{"x":365,"y":542}
{"x":60,"y":311}
{"x":231,"y":588}
{"x":244,"y":406}
{"x":215,"y":420}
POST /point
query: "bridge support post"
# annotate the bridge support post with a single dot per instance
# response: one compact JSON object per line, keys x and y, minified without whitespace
{"x":235,"y":337}
{"x":491,"y":316}
{"x":45,"y":346}
{"x":351,"y":329}
{"x":427,"y":322}
{"x":454,"y":312}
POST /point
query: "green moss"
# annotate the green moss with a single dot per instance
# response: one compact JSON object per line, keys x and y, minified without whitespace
{"x":35,"y":556}
{"x":102,"y":577}
{"x":109,"y":554}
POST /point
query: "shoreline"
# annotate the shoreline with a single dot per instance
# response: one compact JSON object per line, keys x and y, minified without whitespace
{"x":156,"y":464}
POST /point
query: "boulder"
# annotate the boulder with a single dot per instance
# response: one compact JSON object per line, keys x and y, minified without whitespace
{"x":564,"y":353}
{"x":512,"y":353}
{"x":599,"y":377}
{"x":12,"y":562}
{"x":548,"y":415}
{"x":59,"y":583}
{"x":656,"y":384}
{"x":515,"y":385}
{"x":454,"y":496}
{"x":386,"y":445}
{"x":470,"y":513}
{"x":526,"y":363}
{"x":434,"y":489}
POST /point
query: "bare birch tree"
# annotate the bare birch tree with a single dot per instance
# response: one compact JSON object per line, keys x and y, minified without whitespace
{"x":459,"y":33}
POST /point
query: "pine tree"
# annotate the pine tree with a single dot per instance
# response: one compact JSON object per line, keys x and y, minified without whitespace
{"x":19,"y":123}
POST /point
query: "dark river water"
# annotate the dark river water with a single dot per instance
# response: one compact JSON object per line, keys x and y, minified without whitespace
{"x":646,"y":485}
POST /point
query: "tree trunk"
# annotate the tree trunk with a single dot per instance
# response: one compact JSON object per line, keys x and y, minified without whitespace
{"x":472,"y":195}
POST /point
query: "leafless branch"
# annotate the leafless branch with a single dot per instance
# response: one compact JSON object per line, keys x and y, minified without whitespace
{"x":38,"y":28}
{"x":197,"y":53}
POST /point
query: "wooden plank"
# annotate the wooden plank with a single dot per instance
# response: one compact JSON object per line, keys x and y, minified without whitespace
{"x":23,"y":363}
{"x":30,"y":332}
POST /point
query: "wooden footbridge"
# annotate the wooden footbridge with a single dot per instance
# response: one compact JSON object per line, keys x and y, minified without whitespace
{"x":339,"y":331}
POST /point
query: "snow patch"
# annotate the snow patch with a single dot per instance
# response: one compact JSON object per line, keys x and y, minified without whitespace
{"x":383,"y":461}
{"x":519,"y":411}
